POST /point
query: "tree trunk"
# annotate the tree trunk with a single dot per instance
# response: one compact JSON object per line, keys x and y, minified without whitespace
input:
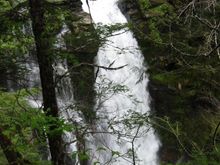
{"x":45,"y":60}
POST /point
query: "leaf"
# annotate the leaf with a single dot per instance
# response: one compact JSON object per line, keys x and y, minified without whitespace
{"x":101,"y":149}
{"x":115,"y":153}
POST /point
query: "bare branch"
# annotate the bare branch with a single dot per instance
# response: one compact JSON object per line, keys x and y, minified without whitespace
{"x":205,"y":22}
{"x":90,"y":65}
{"x":214,"y":136}
{"x":132,"y":144}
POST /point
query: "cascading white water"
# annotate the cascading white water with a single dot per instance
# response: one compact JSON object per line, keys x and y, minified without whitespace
{"x":64,"y":92}
{"x":114,"y":143}
{"x":122,"y":93}
{"x":65,"y":98}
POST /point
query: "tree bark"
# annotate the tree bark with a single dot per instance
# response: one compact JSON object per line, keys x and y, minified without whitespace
{"x":45,"y":61}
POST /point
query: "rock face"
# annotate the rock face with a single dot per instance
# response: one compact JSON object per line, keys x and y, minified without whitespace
{"x":172,"y":96}
{"x":161,"y":95}
{"x":130,"y":10}
{"x":156,"y":2}
{"x":82,"y":42}
{"x":211,"y":104}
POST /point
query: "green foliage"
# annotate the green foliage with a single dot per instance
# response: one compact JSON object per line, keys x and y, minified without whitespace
{"x":163,"y":9}
{"x":210,"y":158}
{"x":15,"y":118}
{"x":180,"y":73}
{"x":200,"y":158}
{"x":158,"y":16}
{"x":154,"y":33}
{"x":15,"y":40}
{"x":4,"y":5}
{"x":190,"y":77}
{"x":19,"y":121}
{"x":144,"y":4}
{"x":3,"y":159}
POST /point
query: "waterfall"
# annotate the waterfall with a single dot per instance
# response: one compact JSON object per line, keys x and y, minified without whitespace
{"x":64,"y":93}
{"x":65,"y":98}
{"x":121,"y":135}
{"x":121,"y":95}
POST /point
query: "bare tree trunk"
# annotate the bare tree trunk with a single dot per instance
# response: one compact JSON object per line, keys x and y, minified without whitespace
{"x":45,"y":60}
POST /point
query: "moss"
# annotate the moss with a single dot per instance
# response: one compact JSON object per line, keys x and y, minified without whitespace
{"x":165,"y":78}
{"x":144,"y":5}
{"x":177,"y":79}
{"x":155,"y":15}
{"x":161,"y":10}
{"x":82,"y":42}
{"x":154,"y":33}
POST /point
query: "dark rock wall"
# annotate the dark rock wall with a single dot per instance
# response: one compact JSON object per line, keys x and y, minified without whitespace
{"x":175,"y":95}
{"x":82,"y":42}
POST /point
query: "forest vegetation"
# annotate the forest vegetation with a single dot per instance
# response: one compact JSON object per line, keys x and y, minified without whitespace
{"x":180,"y":41}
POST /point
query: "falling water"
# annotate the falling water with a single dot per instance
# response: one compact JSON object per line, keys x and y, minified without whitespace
{"x":65,"y":98}
{"x":64,"y":93}
{"x":122,"y":93}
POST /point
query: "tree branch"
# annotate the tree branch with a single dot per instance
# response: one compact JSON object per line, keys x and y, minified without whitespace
{"x":90,"y":65}
{"x":214,"y":135}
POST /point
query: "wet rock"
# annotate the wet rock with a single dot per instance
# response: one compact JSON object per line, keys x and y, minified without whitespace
{"x":162,"y":97}
{"x":205,"y":102}
{"x":155,"y":3}
{"x":168,"y":154}
{"x":83,"y":43}
{"x":130,"y":9}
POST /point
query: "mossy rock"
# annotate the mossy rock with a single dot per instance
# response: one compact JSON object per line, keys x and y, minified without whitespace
{"x":157,"y":2}
{"x":178,"y":83}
